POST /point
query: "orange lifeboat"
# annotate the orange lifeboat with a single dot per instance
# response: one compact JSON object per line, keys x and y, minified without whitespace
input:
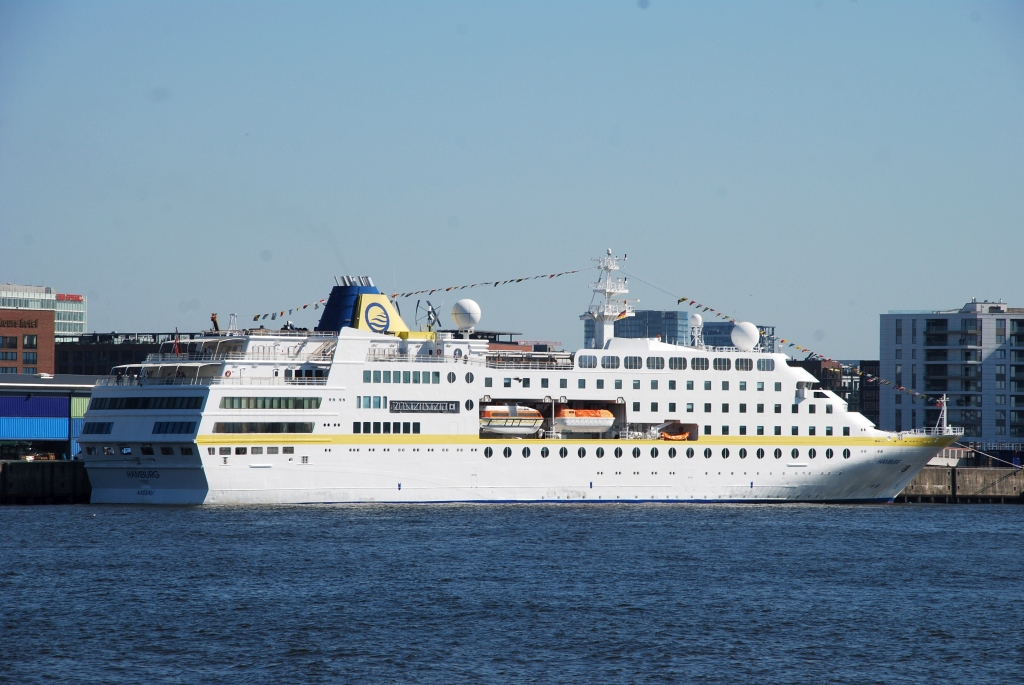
{"x":669,"y":436}
{"x":510,"y":419}
{"x":583,"y":420}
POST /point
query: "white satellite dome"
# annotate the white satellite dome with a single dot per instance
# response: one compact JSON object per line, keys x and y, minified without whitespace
{"x":696,"y":320}
{"x":745,"y":335}
{"x":466,"y":314}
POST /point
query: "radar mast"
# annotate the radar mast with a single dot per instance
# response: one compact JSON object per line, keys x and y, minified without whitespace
{"x":605,"y":309}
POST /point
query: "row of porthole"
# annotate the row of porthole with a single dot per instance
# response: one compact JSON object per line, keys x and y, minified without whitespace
{"x":563,"y":452}
{"x":451,"y":377}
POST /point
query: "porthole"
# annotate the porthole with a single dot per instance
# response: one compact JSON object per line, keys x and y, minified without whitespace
{"x":451,"y":376}
{"x":618,"y":452}
{"x":795,"y":453}
{"x":544,"y":452}
{"x":488,"y":452}
{"x":707,"y":452}
{"x":671,"y":452}
{"x":636,"y":450}
{"x":507,"y":452}
{"x":469,"y":377}
{"x":654,"y":450}
{"x":743,"y":453}
{"x":725,"y":453}
{"x":689,"y":453}
{"x":469,"y":405}
{"x":812,"y":453}
{"x":526,"y":452}
{"x":563,"y":453}
{"x":778,"y":453}
{"x":760,"y":453}
{"x":828,"y":453}
{"x":600,"y":452}
{"x":582,"y":452}
{"x":846,"y":453}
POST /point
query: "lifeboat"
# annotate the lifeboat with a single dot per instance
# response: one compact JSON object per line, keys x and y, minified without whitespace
{"x":510,"y":419}
{"x":670,"y":436}
{"x":583,"y":420}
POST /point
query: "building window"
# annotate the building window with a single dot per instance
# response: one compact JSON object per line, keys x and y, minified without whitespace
{"x":30,"y":342}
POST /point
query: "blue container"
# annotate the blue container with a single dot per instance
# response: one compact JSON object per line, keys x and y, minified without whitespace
{"x":76,"y":427}
{"x":25,"y":405}
{"x":25,"y":428}
{"x":75,"y":448}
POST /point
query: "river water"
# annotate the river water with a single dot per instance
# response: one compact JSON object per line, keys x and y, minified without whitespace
{"x":515,"y":593}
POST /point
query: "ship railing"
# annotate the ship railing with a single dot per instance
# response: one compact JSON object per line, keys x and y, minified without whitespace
{"x":113,"y":381}
{"x":268,"y":332}
{"x":936,"y":431}
{"x":559,"y":364}
{"x":236,"y":356}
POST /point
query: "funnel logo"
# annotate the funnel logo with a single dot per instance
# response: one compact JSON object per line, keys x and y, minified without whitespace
{"x":376,"y":317}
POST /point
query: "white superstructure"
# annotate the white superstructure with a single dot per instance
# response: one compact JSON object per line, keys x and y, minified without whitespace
{"x":378,"y":413}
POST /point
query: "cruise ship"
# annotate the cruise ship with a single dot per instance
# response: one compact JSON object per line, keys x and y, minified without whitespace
{"x":365,"y":409}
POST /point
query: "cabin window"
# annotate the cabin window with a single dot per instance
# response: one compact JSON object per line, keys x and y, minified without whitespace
{"x":744,"y":364}
{"x":376,"y":376}
{"x":765,"y":364}
{"x":707,"y":407}
{"x":600,"y":384}
{"x":506,"y":382}
{"x":796,"y":430}
{"x":760,"y":385}
{"x":274,"y":450}
{"x":811,"y":408}
{"x":743,"y":431}
{"x":671,"y":385}
{"x":563,"y":382}
{"x":725,"y":430}
{"x":828,"y":430}
{"x":725,"y":408}
{"x":387,"y":376}
{"x":241,"y":450}
{"x":634,"y":362}
{"x":778,"y":408}
{"x":636,"y":406}
{"x":618,"y":384}
{"x":581,"y":383}
{"x":543,"y":382}
{"x":810,"y":430}
{"x":636,"y":384}
{"x":526,"y":382}
{"x":778,"y":387}
{"x":587,"y":361}
{"x":796,"y":408}
{"x":828,"y":408}
{"x":654,"y":406}
{"x":609,"y":362}
{"x":225,"y":450}
{"x":407,"y":376}
{"x":707,"y":385}
{"x":778,"y":430}
{"x":743,"y":408}
{"x":760,"y":431}
{"x":699,"y":364}
{"x":743,"y":386}
{"x":654,"y":385}
{"x":760,"y":409}
{"x":689,"y":385}
{"x":488,"y":382}
{"x":723,"y":364}
{"x":846,"y":430}
{"x":671,"y":407}
{"x":367,"y":375}
{"x":655,"y":363}
{"x":689,"y":407}
{"x":677,"y":363}
{"x":725,"y":385}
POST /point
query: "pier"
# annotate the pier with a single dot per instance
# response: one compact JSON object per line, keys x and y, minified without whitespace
{"x":973,"y":485}
{"x":44,"y":482}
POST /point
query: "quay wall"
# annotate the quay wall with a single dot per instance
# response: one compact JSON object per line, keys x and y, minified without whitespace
{"x":44,"y":482}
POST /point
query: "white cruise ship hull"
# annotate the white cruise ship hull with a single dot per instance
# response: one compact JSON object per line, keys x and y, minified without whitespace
{"x":458,"y":471}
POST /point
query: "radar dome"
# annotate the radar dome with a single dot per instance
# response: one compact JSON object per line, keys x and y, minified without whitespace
{"x":466,"y":314}
{"x":745,"y":335}
{"x":696,"y":320}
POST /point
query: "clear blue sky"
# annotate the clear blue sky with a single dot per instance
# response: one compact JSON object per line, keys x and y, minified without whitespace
{"x":803,"y":164}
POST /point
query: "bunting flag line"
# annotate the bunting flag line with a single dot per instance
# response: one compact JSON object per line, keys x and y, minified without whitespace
{"x":785,"y":343}
{"x":273,"y":316}
{"x":495,"y":284}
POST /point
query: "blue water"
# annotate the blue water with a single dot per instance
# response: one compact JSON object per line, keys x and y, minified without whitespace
{"x":540,"y":594}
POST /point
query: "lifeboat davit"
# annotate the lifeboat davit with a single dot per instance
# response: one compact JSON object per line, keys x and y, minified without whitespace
{"x":583,"y":420}
{"x":510,"y":419}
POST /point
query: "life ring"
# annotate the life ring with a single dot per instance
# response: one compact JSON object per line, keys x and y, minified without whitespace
{"x":227,"y":374}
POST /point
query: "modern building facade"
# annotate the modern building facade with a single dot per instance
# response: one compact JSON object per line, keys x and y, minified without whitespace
{"x":673,"y":327}
{"x":974,"y":355}
{"x":70,"y":311}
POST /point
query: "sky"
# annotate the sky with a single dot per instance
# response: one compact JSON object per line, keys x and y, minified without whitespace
{"x":808,"y":165}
